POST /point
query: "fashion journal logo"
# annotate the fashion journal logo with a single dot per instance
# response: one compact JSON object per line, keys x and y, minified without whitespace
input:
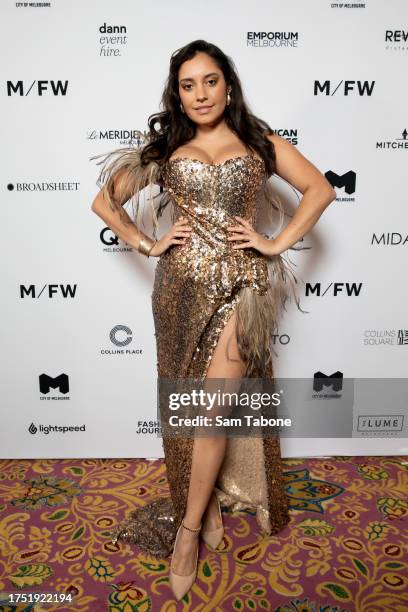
{"x":389,"y":239}
{"x":112,"y":39}
{"x":322,"y":381}
{"x":121,"y":336}
{"x":346,"y":181}
{"x":37,"y":88}
{"x":47,"y":429}
{"x":272,"y":39}
{"x":290,"y":134}
{"x":345,"y":88}
{"x":60,"y":382}
{"x":396,"y":143}
{"x":396,"y":40}
{"x":49,"y":291}
{"x":148,"y":427}
{"x":378,"y":423}
{"x":44,"y":186}
{"x":389,"y":337}
{"x":334,"y":289}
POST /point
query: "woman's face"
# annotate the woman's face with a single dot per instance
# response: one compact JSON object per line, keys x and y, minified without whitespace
{"x":202,"y":89}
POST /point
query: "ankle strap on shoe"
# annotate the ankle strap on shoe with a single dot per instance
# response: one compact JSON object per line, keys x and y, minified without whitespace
{"x":190,"y":528}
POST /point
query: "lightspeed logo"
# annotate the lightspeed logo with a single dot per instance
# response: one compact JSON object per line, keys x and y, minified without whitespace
{"x":47,"y":429}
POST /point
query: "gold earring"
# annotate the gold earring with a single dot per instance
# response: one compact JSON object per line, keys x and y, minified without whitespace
{"x":228,"y":99}
{"x":182,"y":109}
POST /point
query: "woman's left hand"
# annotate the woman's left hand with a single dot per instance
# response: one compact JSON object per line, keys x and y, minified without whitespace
{"x":244,"y":231}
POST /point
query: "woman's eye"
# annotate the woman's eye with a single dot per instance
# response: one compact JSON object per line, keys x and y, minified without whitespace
{"x":213,"y":81}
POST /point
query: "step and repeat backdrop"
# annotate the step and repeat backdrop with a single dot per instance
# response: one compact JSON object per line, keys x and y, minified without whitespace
{"x":81,"y":78}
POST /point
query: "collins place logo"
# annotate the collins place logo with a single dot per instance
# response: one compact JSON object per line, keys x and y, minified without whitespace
{"x":121,"y":336}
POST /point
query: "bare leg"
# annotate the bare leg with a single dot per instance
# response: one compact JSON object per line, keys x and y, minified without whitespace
{"x":208,"y":454}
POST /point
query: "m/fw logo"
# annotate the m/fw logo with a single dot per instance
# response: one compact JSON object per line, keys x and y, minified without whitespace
{"x":345,"y":88}
{"x":335,"y":289}
{"x":39,"y":88}
{"x":49,"y":291}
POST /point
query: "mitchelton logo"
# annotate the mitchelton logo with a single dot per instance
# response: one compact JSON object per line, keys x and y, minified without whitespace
{"x":361,"y":88}
{"x":348,"y":289}
{"x":49,"y":291}
{"x":48,"y":382}
{"x":39,"y":88}
{"x":334,"y":380}
{"x":347,"y":180}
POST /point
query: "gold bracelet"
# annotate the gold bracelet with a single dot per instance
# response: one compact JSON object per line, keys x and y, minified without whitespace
{"x":146,"y":245}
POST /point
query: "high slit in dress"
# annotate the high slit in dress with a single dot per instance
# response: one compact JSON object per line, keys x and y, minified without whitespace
{"x":198,"y":285}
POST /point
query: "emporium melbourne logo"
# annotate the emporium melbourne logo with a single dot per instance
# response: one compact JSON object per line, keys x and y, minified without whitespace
{"x":273,"y":39}
{"x":346,"y":181}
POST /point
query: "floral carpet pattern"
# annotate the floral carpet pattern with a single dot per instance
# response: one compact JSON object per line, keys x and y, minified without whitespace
{"x":344,"y":550}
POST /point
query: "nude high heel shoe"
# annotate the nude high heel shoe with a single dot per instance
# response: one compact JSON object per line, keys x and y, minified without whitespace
{"x":180,"y":584}
{"x":214,"y":537}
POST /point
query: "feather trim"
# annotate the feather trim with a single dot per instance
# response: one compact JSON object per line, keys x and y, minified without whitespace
{"x":135,"y":178}
{"x":259,"y":313}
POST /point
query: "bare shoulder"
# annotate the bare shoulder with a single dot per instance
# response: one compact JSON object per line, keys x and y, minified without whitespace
{"x":295,"y":168}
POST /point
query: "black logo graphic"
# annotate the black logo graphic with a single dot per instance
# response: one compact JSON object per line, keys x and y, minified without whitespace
{"x":47,"y":383}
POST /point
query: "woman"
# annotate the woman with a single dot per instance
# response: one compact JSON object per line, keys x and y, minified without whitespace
{"x":219,"y":287}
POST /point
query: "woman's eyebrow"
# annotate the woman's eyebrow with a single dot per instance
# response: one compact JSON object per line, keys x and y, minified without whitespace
{"x":205,"y":76}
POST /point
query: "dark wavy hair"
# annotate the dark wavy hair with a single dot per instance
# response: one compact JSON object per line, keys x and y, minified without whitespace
{"x":171,"y":128}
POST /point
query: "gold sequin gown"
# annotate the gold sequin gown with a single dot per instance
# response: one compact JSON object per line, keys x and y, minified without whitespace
{"x":197,"y":287}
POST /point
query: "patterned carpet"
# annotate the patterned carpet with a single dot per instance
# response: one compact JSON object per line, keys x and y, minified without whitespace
{"x":343,"y":551}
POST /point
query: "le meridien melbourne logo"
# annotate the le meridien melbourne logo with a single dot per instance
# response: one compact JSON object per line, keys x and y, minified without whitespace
{"x":343,"y":88}
{"x":37,"y":88}
{"x":272,"y":39}
{"x":47,"y":429}
{"x":48,"y":291}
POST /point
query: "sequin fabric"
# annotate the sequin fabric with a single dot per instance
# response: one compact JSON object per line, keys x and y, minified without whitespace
{"x":197,"y":287}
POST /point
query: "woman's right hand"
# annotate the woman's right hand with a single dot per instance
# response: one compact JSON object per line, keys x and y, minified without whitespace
{"x":178,"y":234}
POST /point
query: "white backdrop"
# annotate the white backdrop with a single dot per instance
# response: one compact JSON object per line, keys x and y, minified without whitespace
{"x":67,"y":94}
